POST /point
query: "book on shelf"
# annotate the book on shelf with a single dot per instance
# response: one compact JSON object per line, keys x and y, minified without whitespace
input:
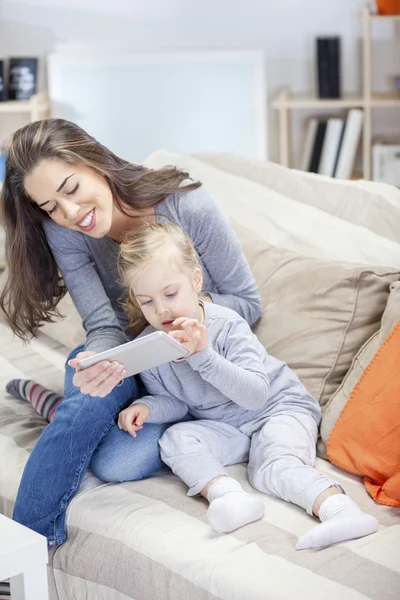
{"x":308,"y":144}
{"x":330,"y":147}
{"x":349,"y":144}
{"x":331,"y":144}
{"x":317,"y":146}
{"x":328,"y":67}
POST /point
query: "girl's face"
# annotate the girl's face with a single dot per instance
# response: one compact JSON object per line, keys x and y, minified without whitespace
{"x":74,"y":196}
{"x":165,"y":291}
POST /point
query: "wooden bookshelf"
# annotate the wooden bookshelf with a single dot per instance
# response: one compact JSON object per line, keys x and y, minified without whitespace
{"x":384,"y":17}
{"x":37,"y":107}
{"x":285,"y":102}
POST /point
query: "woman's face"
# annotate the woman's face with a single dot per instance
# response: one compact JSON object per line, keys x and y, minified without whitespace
{"x":74,"y":196}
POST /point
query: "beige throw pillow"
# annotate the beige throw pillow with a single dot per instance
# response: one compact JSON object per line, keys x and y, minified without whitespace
{"x":338,"y":401}
{"x":316,"y":314}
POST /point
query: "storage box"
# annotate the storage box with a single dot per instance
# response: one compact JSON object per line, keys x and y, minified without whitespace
{"x":386,"y":163}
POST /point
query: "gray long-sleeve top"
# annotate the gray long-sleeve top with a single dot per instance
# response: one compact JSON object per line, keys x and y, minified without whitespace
{"x":233,"y":379}
{"x":89,"y":267}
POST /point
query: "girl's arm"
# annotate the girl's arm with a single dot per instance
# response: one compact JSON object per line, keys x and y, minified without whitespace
{"x":239,"y":374}
{"x":164,"y":408}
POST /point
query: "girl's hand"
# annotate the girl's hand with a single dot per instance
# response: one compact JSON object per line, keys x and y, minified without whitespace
{"x":191,"y":334}
{"x":132,"y":418}
{"x":98,"y":380}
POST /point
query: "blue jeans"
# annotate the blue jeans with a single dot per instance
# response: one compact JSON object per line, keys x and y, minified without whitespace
{"x":84,"y":430}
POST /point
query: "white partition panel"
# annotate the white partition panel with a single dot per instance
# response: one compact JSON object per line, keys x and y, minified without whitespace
{"x":184,"y":102}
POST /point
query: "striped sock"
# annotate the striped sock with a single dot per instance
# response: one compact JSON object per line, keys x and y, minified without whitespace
{"x":44,"y":401}
{"x":4,"y":590}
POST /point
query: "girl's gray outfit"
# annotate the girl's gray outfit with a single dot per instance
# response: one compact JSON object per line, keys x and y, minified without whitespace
{"x":247,"y":404}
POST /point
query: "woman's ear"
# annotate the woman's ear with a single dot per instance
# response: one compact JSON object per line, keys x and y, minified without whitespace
{"x":197,"y":280}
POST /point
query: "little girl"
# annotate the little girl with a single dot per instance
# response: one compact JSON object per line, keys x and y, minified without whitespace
{"x":246,"y":405}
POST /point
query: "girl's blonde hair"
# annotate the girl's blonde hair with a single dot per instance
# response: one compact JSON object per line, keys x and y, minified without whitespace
{"x":142,"y":247}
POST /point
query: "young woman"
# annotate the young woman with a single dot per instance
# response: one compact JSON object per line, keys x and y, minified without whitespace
{"x":67,"y":202}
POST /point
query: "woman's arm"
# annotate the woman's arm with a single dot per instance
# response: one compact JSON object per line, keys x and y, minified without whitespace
{"x":220,"y":250}
{"x":77,"y":267}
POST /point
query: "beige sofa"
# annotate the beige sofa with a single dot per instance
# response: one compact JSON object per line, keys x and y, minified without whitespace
{"x":325,"y":255}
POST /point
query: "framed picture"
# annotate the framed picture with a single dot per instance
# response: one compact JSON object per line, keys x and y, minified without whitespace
{"x":184,"y":102}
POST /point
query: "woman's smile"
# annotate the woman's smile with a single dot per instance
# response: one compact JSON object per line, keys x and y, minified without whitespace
{"x":88,"y":221}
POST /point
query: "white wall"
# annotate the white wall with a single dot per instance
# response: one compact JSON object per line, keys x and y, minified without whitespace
{"x":284,"y":29}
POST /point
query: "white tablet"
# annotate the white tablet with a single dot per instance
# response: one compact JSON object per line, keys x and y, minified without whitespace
{"x":141,"y":354}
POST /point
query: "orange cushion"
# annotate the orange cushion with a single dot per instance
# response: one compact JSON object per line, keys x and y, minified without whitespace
{"x":366,"y":438}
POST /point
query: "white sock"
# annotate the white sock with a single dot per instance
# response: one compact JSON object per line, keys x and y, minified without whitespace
{"x":341,"y":520}
{"x":230,"y":506}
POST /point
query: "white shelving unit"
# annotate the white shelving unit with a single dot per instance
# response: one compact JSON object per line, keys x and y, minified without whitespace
{"x":285,"y":102}
{"x":36,"y":108}
{"x":23,"y":559}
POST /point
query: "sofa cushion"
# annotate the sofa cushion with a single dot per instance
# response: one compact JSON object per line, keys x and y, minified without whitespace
{"x":373,"y":205}
{"x":363,"y":358}
{"x":315,"y":314}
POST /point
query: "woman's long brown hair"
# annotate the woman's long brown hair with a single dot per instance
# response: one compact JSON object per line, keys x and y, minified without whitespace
{"x":34,"y":286}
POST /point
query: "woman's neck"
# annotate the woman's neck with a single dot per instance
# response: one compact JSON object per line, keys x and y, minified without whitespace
{"x":123,"y":223}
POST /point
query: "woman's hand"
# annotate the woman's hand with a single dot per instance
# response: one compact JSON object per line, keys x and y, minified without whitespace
{"x":98,"y":380}
{"x":132,"y":418}
{"x":191,"y":334}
